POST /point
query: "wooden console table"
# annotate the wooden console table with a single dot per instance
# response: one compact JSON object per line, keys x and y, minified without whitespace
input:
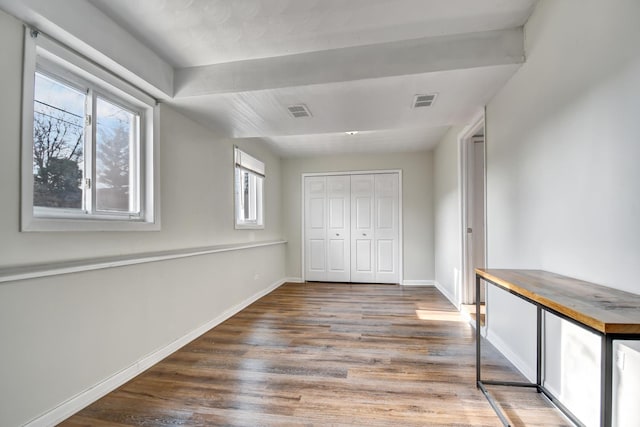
{"x":610,"y":313}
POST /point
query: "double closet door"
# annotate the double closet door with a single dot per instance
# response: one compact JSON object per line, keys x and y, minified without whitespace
{"x":351,"y":225}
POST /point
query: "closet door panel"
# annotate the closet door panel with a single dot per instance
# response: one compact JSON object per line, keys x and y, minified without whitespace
{"x":315,"y":228}
{"x":387,"y":228}
{"x":316,"y":214}
{"x":339,"y":228}
{"x":363,"y":212}
{"x":363,"y":256}
{"x":362,"y":228}
{"x":385,"y":256}
{"x":336,"y":255}
{"x":316,"y":256}
{"x":385,"y":214}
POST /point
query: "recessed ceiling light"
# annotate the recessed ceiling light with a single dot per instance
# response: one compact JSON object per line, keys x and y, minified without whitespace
{"x":352,"y":132}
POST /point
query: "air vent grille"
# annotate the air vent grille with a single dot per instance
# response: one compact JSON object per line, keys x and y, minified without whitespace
{"x":299,"y":111}
{"x":424,"y":100}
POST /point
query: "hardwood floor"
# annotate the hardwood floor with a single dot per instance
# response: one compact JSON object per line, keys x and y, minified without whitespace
{"x":325,"y":354}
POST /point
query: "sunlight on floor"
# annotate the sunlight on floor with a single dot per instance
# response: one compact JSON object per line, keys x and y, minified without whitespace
{"x":446,"y":316}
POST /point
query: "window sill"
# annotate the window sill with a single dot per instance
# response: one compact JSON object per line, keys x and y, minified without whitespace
{"x":38,"y":224}
{"x":249,"y":227}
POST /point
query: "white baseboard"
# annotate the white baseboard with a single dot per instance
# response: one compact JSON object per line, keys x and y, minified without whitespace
{"x":526,"y":370}
{"x":467,"y":318}
{"x":294,"y":279}
{"x":448,"y":295}
{"x":438,"y":286}
{"x":85,"y":398}
{"x":418,"y":283}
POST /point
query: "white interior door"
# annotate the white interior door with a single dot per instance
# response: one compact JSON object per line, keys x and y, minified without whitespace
{"x":474,"y":215}
{"x":362,"y":228}
{"x":478,"y":211}
{"x":338,"y":228}
{"x":387,"y":228}
{"x":315,"y":228}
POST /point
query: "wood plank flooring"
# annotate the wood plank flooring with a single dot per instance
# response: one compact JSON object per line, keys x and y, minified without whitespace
{"x":321,"y":354}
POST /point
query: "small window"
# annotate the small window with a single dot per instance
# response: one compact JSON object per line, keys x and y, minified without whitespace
{"x":249,"y":183}
{"x":89,"y":145}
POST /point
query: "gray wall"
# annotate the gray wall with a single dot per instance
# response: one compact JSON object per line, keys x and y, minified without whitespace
{"x":563,"y":178}
{"x":63,"y":334}
{"x":417,"y":186}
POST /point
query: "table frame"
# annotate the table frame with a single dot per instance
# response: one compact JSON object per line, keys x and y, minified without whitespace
{"x":606,"y":361}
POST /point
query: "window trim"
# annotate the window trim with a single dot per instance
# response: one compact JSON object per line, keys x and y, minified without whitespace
{"x":44,"y":54}
{"x":244,"y":162}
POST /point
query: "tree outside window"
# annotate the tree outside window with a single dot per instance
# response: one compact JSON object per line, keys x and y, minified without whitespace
{"x":58,"y":145}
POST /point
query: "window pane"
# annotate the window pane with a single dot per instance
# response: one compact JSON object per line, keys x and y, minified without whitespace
{"x":248,"y":199}
{"x":116,"y":142}
{"x":57,"y":144}
{"x":247,"y":196}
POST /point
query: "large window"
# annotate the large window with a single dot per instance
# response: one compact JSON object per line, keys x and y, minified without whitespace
{"x":249,"y":182}
{"x":88,"y":144}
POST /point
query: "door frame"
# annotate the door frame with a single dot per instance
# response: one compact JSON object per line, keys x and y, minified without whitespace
{"x":466,"y":288}
{"x":363,"y":172}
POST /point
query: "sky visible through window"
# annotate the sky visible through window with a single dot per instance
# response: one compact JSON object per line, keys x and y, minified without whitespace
{"x":114,"y":143}
{"x":58,"y":160}
{"x":58,"y":145}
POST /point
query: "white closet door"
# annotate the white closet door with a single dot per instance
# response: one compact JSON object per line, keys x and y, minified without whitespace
{"x":362,"y":229}
{"x":387,"y":229}
{"x":315,"y":228}
{"x":351,"y":226}
{"x":338,"y":228}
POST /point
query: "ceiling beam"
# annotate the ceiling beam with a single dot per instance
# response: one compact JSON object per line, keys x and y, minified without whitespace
{"x":431,"y":54}
{"x":81,"y":26}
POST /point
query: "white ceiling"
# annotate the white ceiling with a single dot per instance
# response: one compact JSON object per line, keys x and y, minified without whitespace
{"x":356,"y":64}
{"x":381,"y":109}
{"x":190,"y":33}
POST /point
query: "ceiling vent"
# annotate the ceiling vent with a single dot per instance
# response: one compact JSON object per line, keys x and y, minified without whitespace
{"x":299,"y":111}
{"x":424,"y":100}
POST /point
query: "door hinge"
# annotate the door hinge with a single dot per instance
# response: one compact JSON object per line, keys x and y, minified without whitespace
{"x":87,"y":183}
{"x":87,"y":120}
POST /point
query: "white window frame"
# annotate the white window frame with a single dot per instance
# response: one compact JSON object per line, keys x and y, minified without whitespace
{"x":45,"y":55}
{"x":246,"y":164}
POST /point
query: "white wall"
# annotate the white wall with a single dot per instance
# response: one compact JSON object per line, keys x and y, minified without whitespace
{"x":625,"y":378}
{"x":563,"y":176}
{"x":447,"y":215}
{"x":99,"y":37}
{"x":196,"y":194}
{"x":417,"y":187}
{"x":63,"y":334}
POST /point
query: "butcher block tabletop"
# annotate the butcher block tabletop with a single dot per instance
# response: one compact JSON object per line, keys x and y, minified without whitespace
{"x":604,"y":309}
